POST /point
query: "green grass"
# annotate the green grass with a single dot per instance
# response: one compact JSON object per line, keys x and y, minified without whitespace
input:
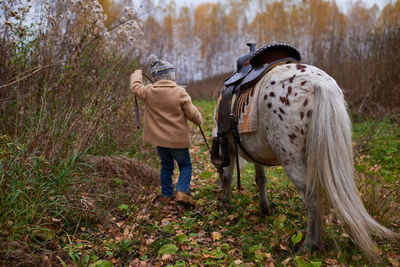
{"x":33,"y":202}
{"x":32,"y":196}
{"x":39,"y":215}
{"x":378,"y":143}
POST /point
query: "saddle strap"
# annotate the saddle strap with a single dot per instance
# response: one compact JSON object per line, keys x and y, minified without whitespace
{"x":249,"y":155}
{"x":237,"y":164}
{"x":236,"y":137}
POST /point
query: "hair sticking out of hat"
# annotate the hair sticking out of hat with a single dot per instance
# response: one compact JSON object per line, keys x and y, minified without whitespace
{"x":160,"y":69}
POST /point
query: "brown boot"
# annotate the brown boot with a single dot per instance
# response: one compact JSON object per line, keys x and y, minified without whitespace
{"x":163,"y":199}
{"x":184,"y":199}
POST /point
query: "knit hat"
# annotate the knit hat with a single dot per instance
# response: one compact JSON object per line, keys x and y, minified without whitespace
{"x":160,"y":69}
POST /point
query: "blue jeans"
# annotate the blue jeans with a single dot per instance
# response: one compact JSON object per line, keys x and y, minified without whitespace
{"x":182,"y":157}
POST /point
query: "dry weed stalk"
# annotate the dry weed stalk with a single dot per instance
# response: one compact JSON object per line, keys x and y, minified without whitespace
{"x":64,"y":81}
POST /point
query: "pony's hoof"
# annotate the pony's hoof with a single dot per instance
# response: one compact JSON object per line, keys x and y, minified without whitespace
{"x":224,"y":205}
{"x":265,"y":212}
{"x":308,"y":246}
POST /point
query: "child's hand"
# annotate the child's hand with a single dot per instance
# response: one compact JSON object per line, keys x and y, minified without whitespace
{"x":137,"y":75}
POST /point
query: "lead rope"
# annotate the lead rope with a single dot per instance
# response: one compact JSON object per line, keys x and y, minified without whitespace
{"x":205,"y":140}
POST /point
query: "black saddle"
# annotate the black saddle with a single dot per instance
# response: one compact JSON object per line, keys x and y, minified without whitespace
{"x":250,"y":68}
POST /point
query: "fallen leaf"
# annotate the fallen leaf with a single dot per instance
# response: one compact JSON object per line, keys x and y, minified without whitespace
{"x":238,"y":262}
{"x":150,"y":241}
{"x":285,"y":262}
{"x":126,"y":232}
{"x":232,"y":217}
{"x":283,"y":247}
{"x":331,"y":261}
{"x":166,"y":257}
{"x":394,"y":262}
{"x":135,"y":262}
{"x":100,"y":227}
{"x":231,"y":252}
{"x":216,"y":236}
{"x":207,"y":256}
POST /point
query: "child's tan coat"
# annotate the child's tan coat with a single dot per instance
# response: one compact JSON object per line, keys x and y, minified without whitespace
{"x":167,"y":108}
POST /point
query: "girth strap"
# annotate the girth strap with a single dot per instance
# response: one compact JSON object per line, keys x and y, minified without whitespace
{"x":236,"y":137}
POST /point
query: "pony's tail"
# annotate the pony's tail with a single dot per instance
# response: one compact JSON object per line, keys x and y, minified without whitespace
{"x":329,"y":157}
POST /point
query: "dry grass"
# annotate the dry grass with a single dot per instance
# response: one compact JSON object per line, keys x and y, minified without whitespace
{"x":133,"y":171}
{"x":87,"y":200}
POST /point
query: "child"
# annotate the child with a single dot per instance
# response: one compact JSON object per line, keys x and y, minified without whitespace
{"x":167,"y":108}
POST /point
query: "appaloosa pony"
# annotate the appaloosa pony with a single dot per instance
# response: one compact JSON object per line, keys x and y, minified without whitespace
{"x":303,"y":125}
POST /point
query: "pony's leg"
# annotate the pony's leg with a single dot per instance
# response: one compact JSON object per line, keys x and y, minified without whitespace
{"x":297,"y":174}
{"x":261,"y":182}
{"x":313,"y":239}
{"x":226,"y":176}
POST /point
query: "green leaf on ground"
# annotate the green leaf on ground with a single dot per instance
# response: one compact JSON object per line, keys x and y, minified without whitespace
{"x":296,"y":238}
{"x":280,"y":221}
{"x":123,"y":207}
{"x":102,"y":263}
{"x":168,"y":249}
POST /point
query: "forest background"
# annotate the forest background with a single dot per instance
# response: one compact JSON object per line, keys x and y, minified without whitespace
{"x":358,"y":48}
{"x":70,"y":152}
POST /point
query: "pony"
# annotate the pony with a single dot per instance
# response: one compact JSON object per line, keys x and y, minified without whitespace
{"x":303,"y":125}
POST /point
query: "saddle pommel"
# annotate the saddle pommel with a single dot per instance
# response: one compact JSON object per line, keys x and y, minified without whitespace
{"x":252,"y":47}
{"x":245,"y":59}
